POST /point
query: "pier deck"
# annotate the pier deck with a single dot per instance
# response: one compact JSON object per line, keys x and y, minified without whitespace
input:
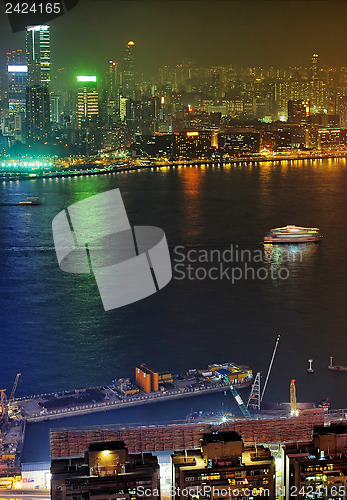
{"x":111,"y":400}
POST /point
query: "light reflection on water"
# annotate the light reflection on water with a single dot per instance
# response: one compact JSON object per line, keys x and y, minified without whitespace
{"x":287,"y":254}
{"x":56,"y":333}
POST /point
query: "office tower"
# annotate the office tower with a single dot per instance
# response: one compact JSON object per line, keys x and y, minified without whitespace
{"x":112,"y":80}
{"x":112,"y":91}
{"x":128,"y":76}
{"x":56,"y":108}
{"x":107,"y":471}
{"x":38,"y":55}
{"x":17,"y":83}
{"x":298,"y":111}
{"x":157,"y":145}
{"x":331,"y":138}
{"x":314,"y":67}
{"x":239,"y":141}
{"x":217,"y":82}
{"x":87,"y":101}
{"x":193,"y":144}
{"x":15,"y":57}
{"x":123,"y":104}
{"x":37,"y":113}
{"x":223,"y":468}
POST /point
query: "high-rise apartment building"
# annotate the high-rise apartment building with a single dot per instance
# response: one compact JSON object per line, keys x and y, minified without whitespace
{"x":107,"y":471}
{"x":316,"y":469}
{"x":223,"y":468}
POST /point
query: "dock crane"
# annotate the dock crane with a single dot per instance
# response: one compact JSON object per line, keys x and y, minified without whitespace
{"x":256,"y":396}
{"x":14,"y":388}
{"x":270,"y":366}
{"x":293,"y":403}
{"x":238,"y":399}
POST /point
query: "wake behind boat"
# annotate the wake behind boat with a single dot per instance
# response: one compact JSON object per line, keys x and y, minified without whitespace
{"x":293,"y":234}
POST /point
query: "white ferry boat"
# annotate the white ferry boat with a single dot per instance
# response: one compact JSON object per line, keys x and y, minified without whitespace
{"x":293,"y":234}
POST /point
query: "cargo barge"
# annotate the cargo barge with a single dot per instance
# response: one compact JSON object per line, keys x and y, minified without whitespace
{"x":149,"y":387}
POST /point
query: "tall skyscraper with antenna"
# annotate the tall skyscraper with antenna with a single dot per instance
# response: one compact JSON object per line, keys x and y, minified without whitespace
{"x":128,"y":75}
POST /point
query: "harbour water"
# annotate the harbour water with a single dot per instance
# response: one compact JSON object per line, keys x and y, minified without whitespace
{"x":56,"y":333}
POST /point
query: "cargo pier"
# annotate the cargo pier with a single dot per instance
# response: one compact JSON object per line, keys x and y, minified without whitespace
{"x":149,"y":387}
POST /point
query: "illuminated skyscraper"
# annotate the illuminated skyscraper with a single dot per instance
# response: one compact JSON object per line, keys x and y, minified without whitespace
{"x":87,"y":101}
{"x":298,"y":111}
{"x":15,"y":57}
{"x":128,"y":77}
{"x":37,"y":114}
{"x":17,"y":83}
{"x":17,"y":72}
{"x":112,"y":90}
{"x":38,"y":55}
{"x":314,"y":67}
{"x":112,"y":82}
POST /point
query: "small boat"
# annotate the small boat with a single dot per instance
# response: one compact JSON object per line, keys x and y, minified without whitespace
{"x":293,"y":234}
{"x":30,"y":200}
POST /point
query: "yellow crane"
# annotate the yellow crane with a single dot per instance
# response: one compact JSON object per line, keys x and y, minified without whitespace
{"x":293,"y":404}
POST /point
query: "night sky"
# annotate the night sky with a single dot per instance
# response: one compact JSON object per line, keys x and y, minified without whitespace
{"x":249,"y":33}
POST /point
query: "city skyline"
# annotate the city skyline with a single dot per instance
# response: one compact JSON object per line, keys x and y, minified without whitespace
{"x":165,"y":33}
{"x":118,"y":107}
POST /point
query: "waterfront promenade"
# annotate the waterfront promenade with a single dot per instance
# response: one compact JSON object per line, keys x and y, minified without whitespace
{"x":113,"y":167}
